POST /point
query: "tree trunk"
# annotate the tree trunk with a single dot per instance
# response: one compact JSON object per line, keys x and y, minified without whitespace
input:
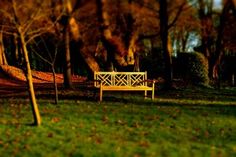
{"x":55,"y":84}
{"x":207,"y":27}
{"x":3,"y":60}
{"x":115,"y":48}
{"x":16,"y":54}
{"x":219,"y":47}
{"x":34,"y":105}
{"x":132,"y":48}
{"x":73,"y":28}
{"x":136,"y":63}
{"x":184,"y":40}
{"x":67,"y":66}
{"x":168,"y":75}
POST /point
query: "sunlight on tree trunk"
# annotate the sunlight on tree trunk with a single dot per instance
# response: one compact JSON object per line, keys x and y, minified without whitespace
{"x":69,"y":26}
{"x":74,"y":27}
{"x":134,"y":35}
{"x":132,"y":49}
{"x":3,"y":60}
{"x":114,"y":46}
{"x":169,"y":45}
{"x":21,"y":32}
{"x":91,"y":62}
{"x":75,"y":32}
{"x":35,"y":110}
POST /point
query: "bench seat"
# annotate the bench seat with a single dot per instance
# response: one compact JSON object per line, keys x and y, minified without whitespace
{"x":123,"y":81}
{"x":126,"y":88}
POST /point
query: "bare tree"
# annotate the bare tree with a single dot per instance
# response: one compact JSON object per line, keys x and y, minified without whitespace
{"x":28,"y":20}
{"x":50,"y":59}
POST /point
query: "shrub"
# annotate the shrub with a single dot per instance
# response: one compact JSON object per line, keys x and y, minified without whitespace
{"x":194,"y":67}
{"x":153,"y":63}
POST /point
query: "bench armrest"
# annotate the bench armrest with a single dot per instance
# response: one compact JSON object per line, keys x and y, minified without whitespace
{"x":148,"y":81}
{"x":97,"y":83}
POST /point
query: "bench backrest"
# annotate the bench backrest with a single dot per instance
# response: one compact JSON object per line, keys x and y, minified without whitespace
{"x":120,"y":78}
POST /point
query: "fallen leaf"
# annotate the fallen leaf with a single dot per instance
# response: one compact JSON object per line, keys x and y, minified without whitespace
{"x":145,"y":144}
{"x":1,"y":142}
{"x":98,"y":140}
{"x":105,"y":119}
{"x":136,"y":125}
{"x":119,"y":121}
{"x":50,"y":135}
{"x":207,"y":134}
{"x":55,"y":120}
{"x":27,"y":147}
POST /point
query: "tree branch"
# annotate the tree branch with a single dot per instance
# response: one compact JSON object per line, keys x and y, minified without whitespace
{"x":177,"y":15}
{"x":40,"y":56}
{"x":41,"y":31}
{"x":28,"y":24}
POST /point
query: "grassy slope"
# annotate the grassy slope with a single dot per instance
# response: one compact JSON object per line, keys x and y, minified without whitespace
{"x":191,"y":122}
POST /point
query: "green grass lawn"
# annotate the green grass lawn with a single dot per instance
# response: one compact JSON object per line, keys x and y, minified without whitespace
{"x":191,"y":122}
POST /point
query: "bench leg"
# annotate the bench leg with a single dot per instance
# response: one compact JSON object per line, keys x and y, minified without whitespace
{"x":153,"y":94}
{"x":100,"y":94}
{"x":153,"y":90}
{"x":145,"y":94}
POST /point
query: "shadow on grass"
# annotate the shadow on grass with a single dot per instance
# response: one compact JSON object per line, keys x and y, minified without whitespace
{"x":17,"y":124}
{"x":189,"y":97}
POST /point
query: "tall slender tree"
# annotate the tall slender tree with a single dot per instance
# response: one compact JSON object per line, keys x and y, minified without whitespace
{"x":26,"y":22}
{"x":165,"y":25}
{"x":21,"y":31}
{"x":164,"y":38}
{"x":207,"y":30}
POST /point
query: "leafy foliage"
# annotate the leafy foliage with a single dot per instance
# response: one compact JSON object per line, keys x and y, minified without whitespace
{"x":193,"y":67}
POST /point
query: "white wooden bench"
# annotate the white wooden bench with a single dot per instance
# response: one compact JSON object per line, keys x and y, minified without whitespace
{"x":123,"y":81}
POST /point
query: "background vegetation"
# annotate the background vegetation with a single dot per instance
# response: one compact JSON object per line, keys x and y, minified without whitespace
{"x":94,"y":35}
